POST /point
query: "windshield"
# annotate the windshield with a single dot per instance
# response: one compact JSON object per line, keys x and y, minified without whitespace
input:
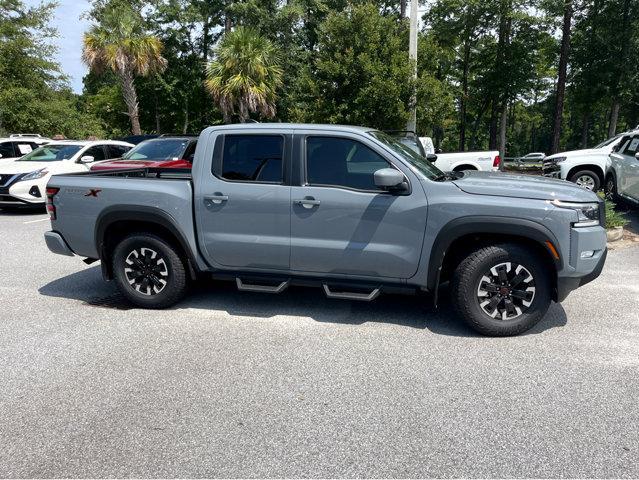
{"x":607,"y":142}
{"x":158,"y":149}
{"x":51,"y":153}
{"x":413,"y":158}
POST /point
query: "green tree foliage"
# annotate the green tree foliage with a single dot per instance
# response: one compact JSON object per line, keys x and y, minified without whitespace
{"x":361,"y":73}
{"x":244,"y":75}
{"x":34,"y":96}
{"x":119,"y":43}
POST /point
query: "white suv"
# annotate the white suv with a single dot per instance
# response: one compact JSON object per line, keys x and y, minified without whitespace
{"x":622,"y":179}
{"x":18,"y":145}
{"x":584,"y":167}
{"x":24,"y":181}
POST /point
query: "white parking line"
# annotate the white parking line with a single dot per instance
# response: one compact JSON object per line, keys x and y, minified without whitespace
{"x":35,"y":221}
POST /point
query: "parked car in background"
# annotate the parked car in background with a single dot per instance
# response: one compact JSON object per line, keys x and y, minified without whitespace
{"x":348,"y":209}
{"x":586,"y":167}
{"x":24,"y":181}
{"x":532,"y":157}
{"x":622,"y":179}
{"x":19,"y":144}
{"x":162,"y":152}
{"x":449,"y":162}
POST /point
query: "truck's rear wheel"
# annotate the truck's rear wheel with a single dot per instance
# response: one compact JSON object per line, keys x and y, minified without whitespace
{"x":149,"y":271}
{"x":501,"y":290}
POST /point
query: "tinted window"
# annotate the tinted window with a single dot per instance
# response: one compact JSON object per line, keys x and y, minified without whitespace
{"x":116,"y":151}
{"x":253,"y":158}
{"x":190,"y":152}
{"x":341,"y":162}
{"x":633,"y":146}
{"x":6,"y":150}
{"x":96,"y":152}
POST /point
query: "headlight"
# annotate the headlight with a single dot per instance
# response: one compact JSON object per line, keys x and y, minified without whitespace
{"x":35,"y":175}
{"x":588,"y":213}
{"x":558,"y":159}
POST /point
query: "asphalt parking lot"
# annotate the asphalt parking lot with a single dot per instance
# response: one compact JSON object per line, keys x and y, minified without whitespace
{"x":252,"y":385}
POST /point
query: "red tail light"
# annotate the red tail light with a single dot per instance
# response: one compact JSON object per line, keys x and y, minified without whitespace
{"x":496,"y":161}
{"x":50,"y":206}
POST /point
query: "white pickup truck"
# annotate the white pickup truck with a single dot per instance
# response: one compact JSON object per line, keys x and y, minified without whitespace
{"x":448,"y":162}
{"x":459,"y":161}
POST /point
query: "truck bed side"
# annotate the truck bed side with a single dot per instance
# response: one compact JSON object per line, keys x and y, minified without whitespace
{"x":85,"y":203}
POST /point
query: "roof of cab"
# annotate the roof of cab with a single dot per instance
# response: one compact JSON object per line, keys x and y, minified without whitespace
{"x":292,"y":126}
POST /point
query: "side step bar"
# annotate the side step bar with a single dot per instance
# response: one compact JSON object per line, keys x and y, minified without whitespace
{"x":364,"y":297}
{"x":248,"y":287}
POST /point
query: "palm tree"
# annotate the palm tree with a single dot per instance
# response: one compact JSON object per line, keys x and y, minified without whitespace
{"x":245,"y":75}
{"x":119,"y":43}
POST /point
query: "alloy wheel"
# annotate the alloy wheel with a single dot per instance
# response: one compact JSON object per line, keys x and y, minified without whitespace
{"x":506,"y":291}
{"x":586,"y":181}
{"x":146,"y":271}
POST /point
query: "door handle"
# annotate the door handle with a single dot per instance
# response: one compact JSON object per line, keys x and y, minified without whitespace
{"x":307,"y":202}
{"x":216,"y":199}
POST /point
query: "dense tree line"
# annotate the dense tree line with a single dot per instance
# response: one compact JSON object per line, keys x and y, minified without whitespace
{"x":519,"y":75}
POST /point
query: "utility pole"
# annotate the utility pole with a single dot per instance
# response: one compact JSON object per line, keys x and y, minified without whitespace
{"x":412,"y":55}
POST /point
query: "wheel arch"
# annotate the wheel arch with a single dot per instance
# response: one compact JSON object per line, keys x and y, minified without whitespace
{"x":461,"y":235}
{"x":116,"y":222}
{"x":588,"y":166}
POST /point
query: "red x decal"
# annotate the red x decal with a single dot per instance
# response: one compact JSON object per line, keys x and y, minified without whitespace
{"x":93,"y":192}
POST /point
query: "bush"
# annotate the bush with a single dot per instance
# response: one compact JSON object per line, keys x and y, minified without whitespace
{"x":613,"y":217}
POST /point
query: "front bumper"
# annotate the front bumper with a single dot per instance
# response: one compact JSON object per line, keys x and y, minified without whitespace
{"x":551,"y":169}
{"x":565,"y":285}
{"x":17,"y":192}
{"x":581,"y":270}
{"x":56,"y":244}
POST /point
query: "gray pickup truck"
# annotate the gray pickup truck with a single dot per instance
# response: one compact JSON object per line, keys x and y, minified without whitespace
{"x":348,"y":209}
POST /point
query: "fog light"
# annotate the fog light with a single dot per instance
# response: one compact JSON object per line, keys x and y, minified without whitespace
{"x":587,"y":253}
{"x":35,"y":192}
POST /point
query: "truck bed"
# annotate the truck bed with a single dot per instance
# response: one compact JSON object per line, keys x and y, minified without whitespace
{"x":83,"y":199}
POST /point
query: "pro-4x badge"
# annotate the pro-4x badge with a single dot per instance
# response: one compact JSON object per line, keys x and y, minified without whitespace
{"x":93,"y":192}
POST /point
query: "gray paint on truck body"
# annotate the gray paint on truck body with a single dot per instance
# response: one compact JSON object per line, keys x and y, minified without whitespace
{"x":354,"y":235}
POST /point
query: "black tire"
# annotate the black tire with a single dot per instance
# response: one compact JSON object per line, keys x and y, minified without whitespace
{"x":583,"y":175}
{"x":468,"y":279}
{"x":610,"y":188}
{"x":165,"y":266}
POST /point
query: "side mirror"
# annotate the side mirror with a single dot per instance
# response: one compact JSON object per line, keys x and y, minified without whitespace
{"x":431,"y":157}
{"x":390,"y":179}
{"x":87,"y":159}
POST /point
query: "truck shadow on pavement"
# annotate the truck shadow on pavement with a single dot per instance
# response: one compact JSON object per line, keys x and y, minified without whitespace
{"x":417,"y":312}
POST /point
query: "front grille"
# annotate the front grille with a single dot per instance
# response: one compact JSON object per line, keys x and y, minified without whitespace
{"x":8,"y":178}
{"x":10,"y":199}
{"x":602,"y":213}
{"x":549,"y":166}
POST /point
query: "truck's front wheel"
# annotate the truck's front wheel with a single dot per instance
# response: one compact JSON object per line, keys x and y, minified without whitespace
{"x":501,"y":290}
{"x":149,"y":271}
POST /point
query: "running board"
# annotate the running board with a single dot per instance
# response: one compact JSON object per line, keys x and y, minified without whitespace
{"x":364,"y":297}
{"x":247,"y":287}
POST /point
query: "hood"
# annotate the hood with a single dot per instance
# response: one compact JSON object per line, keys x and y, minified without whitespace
{"x":116,"y":164}
{"x":581,"y":153}
{"x":522,"y":186}
{"x":26,"y":167}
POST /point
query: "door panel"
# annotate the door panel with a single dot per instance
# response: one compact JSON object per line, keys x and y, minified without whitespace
{"x":629,"y":181}
{"x":245,"y":224}
{"x":358,"y":233}
{"x":341,"y":223}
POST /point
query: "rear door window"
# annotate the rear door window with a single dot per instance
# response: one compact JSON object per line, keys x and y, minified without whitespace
{"x":253,"y":158}
{"x":96,"y":152}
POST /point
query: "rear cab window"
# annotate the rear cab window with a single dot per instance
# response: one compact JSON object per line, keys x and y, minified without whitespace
{"x":256,"y":158}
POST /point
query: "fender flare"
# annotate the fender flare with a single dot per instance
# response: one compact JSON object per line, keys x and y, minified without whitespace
{"x":117,"y":213}
{"x":484,"y":224}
